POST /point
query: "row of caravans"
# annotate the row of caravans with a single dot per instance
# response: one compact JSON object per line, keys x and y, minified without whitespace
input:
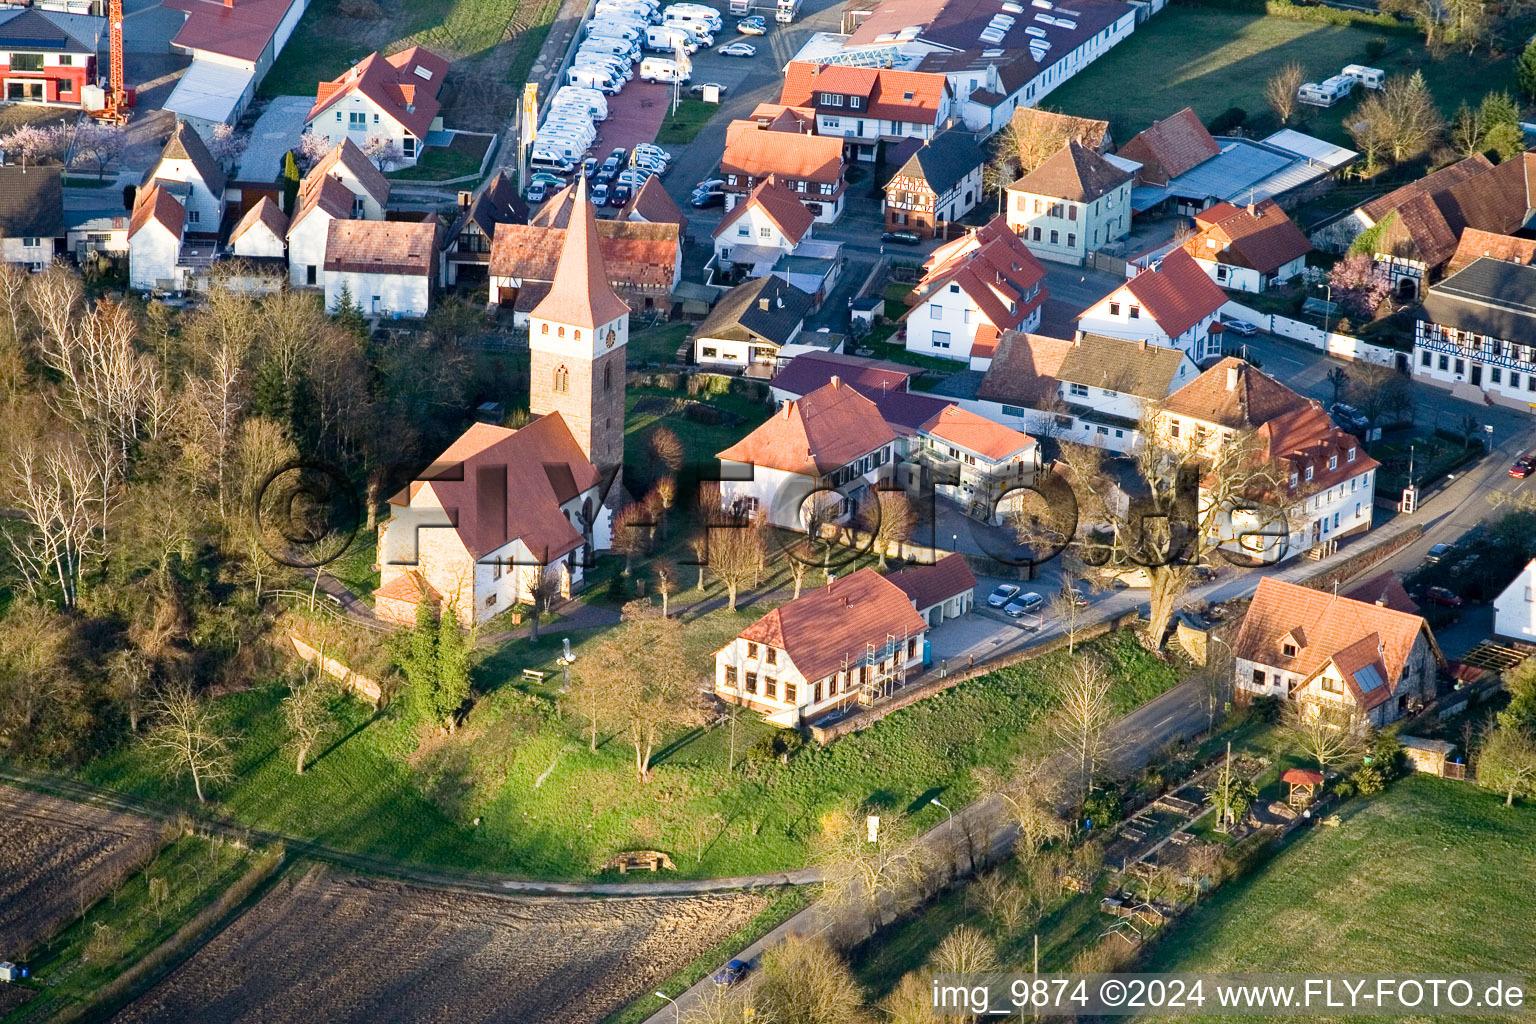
{"x":1331,"y":90}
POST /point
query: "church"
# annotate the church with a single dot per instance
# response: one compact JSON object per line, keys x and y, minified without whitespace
{"x":502,"y":510}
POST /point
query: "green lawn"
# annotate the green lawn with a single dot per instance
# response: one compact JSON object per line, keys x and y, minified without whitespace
{"x":443,"y":162}
{"x":657,"y":344}
{"x":550,"y":807}
{"x":1432,"y":876}
{"x":127,"y":924}
{"x":1212,"y":59}
{"x":682,"y":126}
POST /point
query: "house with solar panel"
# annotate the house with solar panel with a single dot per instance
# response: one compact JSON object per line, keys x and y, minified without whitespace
{"x":1370,"y":662}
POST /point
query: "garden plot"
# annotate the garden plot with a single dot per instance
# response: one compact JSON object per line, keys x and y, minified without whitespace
{"x":57,"y":858}
{"x":337,"y":948}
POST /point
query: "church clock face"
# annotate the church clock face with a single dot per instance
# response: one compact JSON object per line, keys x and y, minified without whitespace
{"x":608,"y":341}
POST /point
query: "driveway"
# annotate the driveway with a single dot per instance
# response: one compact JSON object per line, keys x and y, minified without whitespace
{"x":275,"y":132}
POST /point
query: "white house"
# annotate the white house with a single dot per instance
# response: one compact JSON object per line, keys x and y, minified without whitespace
{"x":865,"y":105}
{"x":233,"y":44}
{"x":154,"y":241}
{"x":495,"y":511}
{"x":1106,"y":385}
{"x":347,"y":164}
{"x":1514,"y":610}
{"x":832,"y":439}
{"x":1365,"y":661}
{"x":387,"y":266}
{"x":769,"y":224}
{"x":1074,"y":203}
{"x":321,"y":201}
{"x":750,"y":325}
{"x":1248,"y":248}
{"x":190,"y":173}
{"x":262,"y":233}
{"x":390,"y":98}
{"x":972,"y":289}
{"x":1476,"y":333}
{"x":31,"y":215}
{"x":980,"y":459}
{"x":1173,"y":304}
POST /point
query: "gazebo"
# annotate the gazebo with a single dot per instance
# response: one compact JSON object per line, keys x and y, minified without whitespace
{"x":1302,"y":780}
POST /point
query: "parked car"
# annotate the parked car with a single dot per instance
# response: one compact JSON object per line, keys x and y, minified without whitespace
{"x":1026,"y":604}
{"x":1436,"y":553}
{"x":709,"y":185}
{"x":589,"y":167}
{"x":1002,"y":595}
{"x":652,"y":150}
{"x":702,"y":200}
{"x":757,"y":25}
{"x":901,"y":237}
{"x":1242,"y":328}
{"x":1442,"y":597}
{"x":619,"y":195}
{"x":548,"y":180}
{"x":634,"y":177}
{"x":739,"y":50}
{"x":537,"y":192}
{"x":599,"y":195}
{"x":732,"y":972}
{"x":698,"y":88}
{"x":1348,"y":417}
{"x":1523,"y":467}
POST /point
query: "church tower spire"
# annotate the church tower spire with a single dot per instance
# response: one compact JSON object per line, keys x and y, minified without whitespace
{"x":577,"y":339}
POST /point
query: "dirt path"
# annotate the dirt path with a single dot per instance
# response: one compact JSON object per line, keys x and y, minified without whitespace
{"x":333,"y":947}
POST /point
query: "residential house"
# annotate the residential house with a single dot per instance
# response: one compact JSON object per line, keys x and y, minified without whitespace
{"x":868,"y":105}
{"x":833,"y":438}
{"x":467,"y":251}
{"x":856,"y":639}
{"x":973,"y":288}
{"x":1109,"y":385}
{"x":1169,"y":148}
{"x":810,"y":166}
{"x":652,"y":205}
{"x":190,"y":173}
{"x":233,"y":43}
{"x":46,"y":56}
{"x":1074,"y":203}
{"x":941,"y":591}
{"x":1038,"y":130}
{"x":1475,"y":244}
{"x":1173,"y":303}
{"x":1231,"y":398}
{"x":770,"y":232}
{"x":1321,"y":650}
{"x":750,"y":325}
{"x":154,"y":241}
{"x":262,"y":233}
{"x":806,"y":373}
{"x":31,"y":215}
{"x":1514,"y":610}
{"x":1248,"y":248}
{"x":321,"y":201}
{"x":939,"y":184}
{"x":975,"y":461}
{"x":1476,"y":333}
{"x":392,"y":98}
{"x":1021,"y":388}
{"x":347,"y":164}
{"x":387,"y":266}
{"x":103,"y":230}
{"x":491,"y":515}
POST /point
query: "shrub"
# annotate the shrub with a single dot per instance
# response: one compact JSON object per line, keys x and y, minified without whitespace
{"x":1265,"y":709}
{"x":1103,"y":807}
{"x":1368,"y":779}
{"x":1374,"y":49}
{"x":780,"y":746}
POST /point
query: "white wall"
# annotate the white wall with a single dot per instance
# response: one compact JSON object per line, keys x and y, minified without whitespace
{"x":753,"y":227}
{"x":259,"y":241}
{"x":1341,"y":345}
{"x":152,"y":256}
{"x":18,"y":250}
{"x":335,"y":123}
{"x":386,"y":294}
{"x":204,"y":209}
{"x":306,"y":248}
{"x":1514,"y":611}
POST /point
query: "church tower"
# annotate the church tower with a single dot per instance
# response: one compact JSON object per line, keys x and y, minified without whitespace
{"x":577,"y":337}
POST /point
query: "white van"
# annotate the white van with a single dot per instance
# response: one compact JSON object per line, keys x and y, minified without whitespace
{"x":617,"y":47}
{"x":581,"y":131}
{"x":621,"y":68}
{"x":594,"y":102}
{"x":592,"y":78}
{"x":548,"y":160}
{"x":613,"y":29}
{"x":670,"y":39}
{"x":702,"y":10}
{"x":578,"y":107}
{"x":625,"y":10}
{"x":659,"y":69}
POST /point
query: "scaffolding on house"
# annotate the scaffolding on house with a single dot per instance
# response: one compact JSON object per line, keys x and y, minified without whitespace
{"x":885,"y":668}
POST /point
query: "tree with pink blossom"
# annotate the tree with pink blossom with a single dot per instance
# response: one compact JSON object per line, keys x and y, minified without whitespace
{"x":1359,"y":284}
{"x":383,"y":151}
{"x":98,"y":145}
{"x":226,"y":145}
{"x":31,"y":143}
{"x":314,"y":148}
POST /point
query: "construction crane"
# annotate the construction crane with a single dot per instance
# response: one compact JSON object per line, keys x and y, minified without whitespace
{"x":115,"y":109}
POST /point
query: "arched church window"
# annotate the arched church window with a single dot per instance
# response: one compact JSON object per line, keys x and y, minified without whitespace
{"x":562,"y":380}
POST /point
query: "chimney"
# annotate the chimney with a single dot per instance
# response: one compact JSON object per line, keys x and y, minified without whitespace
{"x":1142,"y":344}
{"x":787,"y":407}
{"x":836,"y":381}
{"x":1232,"y":374}
{"x":762,"y":304}
{"x":229,"y":3}
{"x":465,"y":198}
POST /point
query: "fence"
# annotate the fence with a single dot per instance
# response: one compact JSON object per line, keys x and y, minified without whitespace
{"x":1341,"y":346}
{"x":362,"y":684}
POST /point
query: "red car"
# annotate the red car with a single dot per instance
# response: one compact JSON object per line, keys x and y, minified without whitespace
{"x":1523,"y":467}
{"x":1442,"y":597}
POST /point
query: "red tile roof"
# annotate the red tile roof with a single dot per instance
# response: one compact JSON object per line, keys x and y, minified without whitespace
{"x":1428,"y":185}
{"x":829,"y":628}
{"x":1074,"y":173}
{"x":891,"y":95}
{"x":1023,"y":370}
{"x":325,"y":194}
{"x":977,"y":434}
{"x":1236,"y":395}
{"x":927,"y":585}
{"x":404,"y":85}
{"x":236,"y":28}
{"x":381,"y":247}
{"x":1170,"y":147}
{"x":1476,"y":244}
{"x":993,"y":267}
{"x":1307,"y":438}
{"x":781,"y":206}
{"x":822,"y":432}
{"x":1178,"y":294}
{"x":636,"y":255}
{"x":805,"y":373}
{"x":500,"y":485}
{"x":1496,"y":200}
{"x":1418,"y":230}
{"x":158,"y":205}
{"x":1260,"y":237}
{"x":580,"y":293}
{"x":757,"y":152}
{"x":1385,"y":589}
{"x":1327,"y":628}
{"x":266,"y":213}
{"x":652,"y":205}
{"x":348,"y":156}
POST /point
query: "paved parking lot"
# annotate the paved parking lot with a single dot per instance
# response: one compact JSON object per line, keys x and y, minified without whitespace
{"x":634,"y":115}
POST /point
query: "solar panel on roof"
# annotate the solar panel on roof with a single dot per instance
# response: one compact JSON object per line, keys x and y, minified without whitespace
{"x":1368,"y":679}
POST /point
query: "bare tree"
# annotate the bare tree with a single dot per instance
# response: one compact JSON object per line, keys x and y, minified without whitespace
{"x":1068,"y":606}
{"x":1328,"y":735}
{"x":99,"y":145}
{"x":1281,"y":89}
{"x":637,"y":681}
{"x":306,"y":715}
{"x":1380,"y":392}
{"x":666,"y":582}
{"x":911,"y":1001}
{"x":187,"y":740}
{"x":797,"y":571}
{"x":966,"y":950}
{"x":631,"y":533}
{"x":1401,"y":121}
{"x":1043,"y":526}
{"x":666,"y":447}
{"x":1083,"y":716}
{"x":735,"y":558}
{"x":804,"y":981}
{"x":542,"y":583}
{"x":1031,"y":790}
{"x":663,"y":496}
{"x":868,"y":878}
{"x":51,"y":485}
{"x":894,"y":518}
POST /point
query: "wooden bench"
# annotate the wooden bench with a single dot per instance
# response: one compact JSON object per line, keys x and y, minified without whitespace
{"x":651,"y":860}
{"x":534,"y":674}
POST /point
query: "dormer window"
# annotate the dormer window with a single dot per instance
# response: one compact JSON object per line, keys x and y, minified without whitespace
{"x":853,"y":102}
{"x":1288,"y":649}
{"x":831,"y":99}
{"x":1309,"y":474}
{"x":1351,"y":455}
{"x":1293,"y":478}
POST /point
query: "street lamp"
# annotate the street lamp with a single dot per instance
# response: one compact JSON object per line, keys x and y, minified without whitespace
{"x":1488,"y":428}
{"x":1327,"y":310}
{"x":950,"y":825}
{"x":675,"y":1011}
